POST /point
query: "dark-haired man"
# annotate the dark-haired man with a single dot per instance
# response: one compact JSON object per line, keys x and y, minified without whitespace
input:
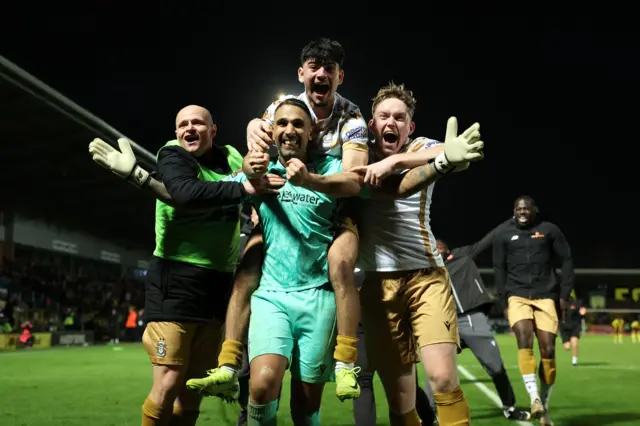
{"x":339,"y":132}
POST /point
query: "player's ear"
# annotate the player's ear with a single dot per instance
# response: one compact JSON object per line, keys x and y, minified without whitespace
{"x":213,"y":131}
{"x":301,"y":75}
{"x":340,"y":76}
{"x":371,"y":124}
{"x":412,"y":127}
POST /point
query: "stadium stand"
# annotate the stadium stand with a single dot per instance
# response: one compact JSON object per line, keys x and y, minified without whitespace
{"x":66,"y":264}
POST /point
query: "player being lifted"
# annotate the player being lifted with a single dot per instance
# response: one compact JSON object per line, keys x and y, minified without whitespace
{"x":197,"y":244}
{"x":293,"y":311}
{"x":406,"y":296}
{"x":523,"y":253}
{"x":341,"y":133}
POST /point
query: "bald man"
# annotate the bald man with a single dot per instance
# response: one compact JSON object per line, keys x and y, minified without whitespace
{"x":191,"y":272}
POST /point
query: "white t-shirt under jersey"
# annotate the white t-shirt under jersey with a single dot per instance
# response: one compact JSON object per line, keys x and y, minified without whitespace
{"x":344,"y":129}
{"x":395,"y":235}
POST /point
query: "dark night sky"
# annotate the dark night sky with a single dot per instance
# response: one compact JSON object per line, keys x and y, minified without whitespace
{"x":556,"y":101}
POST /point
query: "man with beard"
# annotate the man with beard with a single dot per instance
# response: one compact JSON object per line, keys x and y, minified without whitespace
{"x":524,"y":251}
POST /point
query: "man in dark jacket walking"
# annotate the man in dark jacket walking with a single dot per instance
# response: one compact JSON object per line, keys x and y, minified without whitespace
{"x":524,"y":252}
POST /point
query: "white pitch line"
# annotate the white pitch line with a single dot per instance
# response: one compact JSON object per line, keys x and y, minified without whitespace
{"x":485,"y":390}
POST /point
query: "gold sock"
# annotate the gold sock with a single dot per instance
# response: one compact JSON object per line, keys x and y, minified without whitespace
{"x":408,"y":419}
{"x":452,"y":407}
{"x":231,"y":354}
{"x":346,"y":350}
{"x":526,"y":362}
{"x":548,"y":373}
{"x":182,"y":417}
{"x":153,"y":414}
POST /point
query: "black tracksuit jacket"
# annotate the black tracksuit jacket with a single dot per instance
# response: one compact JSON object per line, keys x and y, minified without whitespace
{"x":523,"y":259}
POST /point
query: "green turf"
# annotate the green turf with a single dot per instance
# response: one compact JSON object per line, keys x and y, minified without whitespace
{"x":100,"y":386}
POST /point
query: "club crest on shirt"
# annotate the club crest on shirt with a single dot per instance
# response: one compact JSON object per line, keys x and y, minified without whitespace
{"x":161,"y":348}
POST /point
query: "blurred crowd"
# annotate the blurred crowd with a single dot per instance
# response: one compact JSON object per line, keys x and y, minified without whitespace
{"x":52,"y":291}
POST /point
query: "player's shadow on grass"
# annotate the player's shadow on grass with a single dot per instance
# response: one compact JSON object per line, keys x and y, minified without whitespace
{"x":608,"y":419}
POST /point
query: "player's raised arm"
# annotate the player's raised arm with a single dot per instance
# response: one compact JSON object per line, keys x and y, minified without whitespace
{"x":123,"y":164}
{"x":457,"y":152}
{"x":562,"y":251}
{"x":422,"y":151}
{"x":473,"y":250}
{"x":355,"y":137}
{"x":259,"y":130}
{"x":344,"y":184}
{"x":179,"y":171}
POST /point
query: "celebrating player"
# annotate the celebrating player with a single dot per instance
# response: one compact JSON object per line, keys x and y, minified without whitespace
{"x":523,"y":253}
{"x":571,"y":327}
{"x":406,"y":296}
{"x":340,"y":132}
{"x":294,"y":306}
{"x":473,"y":304}
{"x":197,"y":244}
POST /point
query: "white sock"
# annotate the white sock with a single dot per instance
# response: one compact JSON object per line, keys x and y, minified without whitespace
{"x":531,"y":383}
{"x":230,"y":370}
{"x":340,"y":365}
{"x":545,"y":391}
{"x":574,"y":360}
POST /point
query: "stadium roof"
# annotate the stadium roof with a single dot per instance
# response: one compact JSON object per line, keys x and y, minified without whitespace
{"x":46,"y":172}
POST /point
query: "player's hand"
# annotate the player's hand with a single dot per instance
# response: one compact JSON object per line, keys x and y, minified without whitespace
{"x":461,"y":149}
{"x":257,"y":163}
{"x":122,"y":163}
{"x":259,"y":135}
{"x":267,"y":184}
{"x":297,"y":172}
{"x":564,"y":305}
{"x":376,"y":172}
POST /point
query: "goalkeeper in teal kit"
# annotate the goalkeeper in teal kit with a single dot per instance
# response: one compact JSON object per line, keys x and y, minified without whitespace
{"x":293,"y":312}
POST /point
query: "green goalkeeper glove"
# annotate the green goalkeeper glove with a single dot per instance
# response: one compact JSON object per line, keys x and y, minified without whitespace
{"x":122,"y":163}
{"x":459,"y":150}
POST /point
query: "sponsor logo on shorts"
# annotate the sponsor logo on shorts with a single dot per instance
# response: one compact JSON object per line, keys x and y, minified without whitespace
{"x":161,"y":348}
{"x":448,"y":325}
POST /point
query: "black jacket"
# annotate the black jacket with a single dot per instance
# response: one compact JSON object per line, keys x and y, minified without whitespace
{"x":523,"y":259}
{"x":573,"y":316}
{"x":468,"y":287}
{"x":178,"y":170}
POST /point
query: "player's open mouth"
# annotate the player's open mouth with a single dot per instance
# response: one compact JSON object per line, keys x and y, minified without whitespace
{"x":192,"y":138}
{"x":320,"y":88}
{"x":523,"y":219}
{"x":390,"y":137}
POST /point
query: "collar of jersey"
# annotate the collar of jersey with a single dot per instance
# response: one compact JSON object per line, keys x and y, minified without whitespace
{"x":303,"y":97}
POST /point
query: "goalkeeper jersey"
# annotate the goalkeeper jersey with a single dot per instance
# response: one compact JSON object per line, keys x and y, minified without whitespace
{"x":298,"y":228}
{"x":207,"y":237}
